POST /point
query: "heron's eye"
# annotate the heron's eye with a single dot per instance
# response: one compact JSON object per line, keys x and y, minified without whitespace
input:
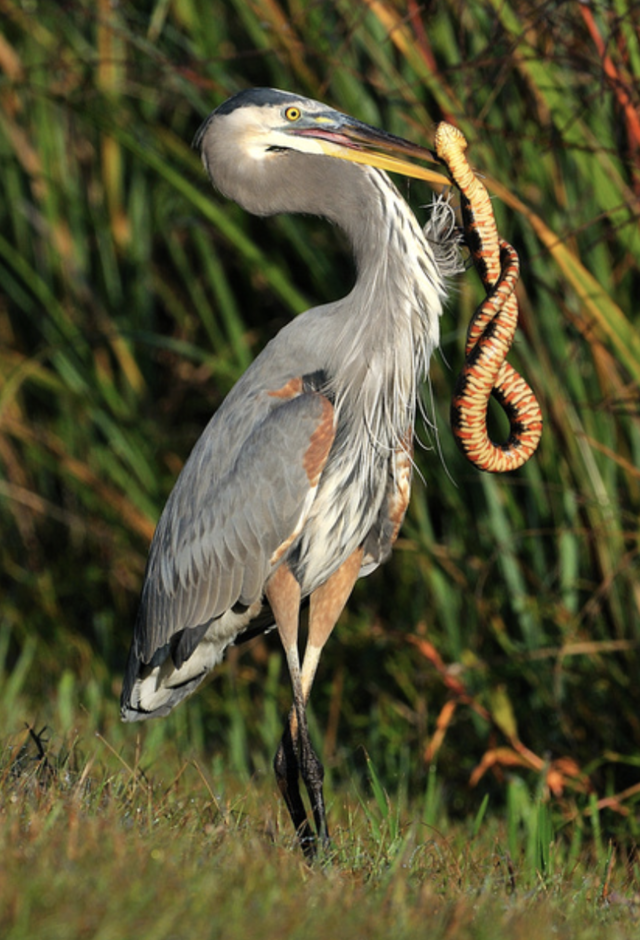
{"x":292,"y":113}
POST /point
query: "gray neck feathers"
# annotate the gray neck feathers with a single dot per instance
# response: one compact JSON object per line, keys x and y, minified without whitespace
{"x":377,"y":341}
{"x":387,"y":327}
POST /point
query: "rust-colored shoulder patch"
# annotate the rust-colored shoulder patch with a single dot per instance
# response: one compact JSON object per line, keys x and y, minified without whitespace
{"x":320,"y":443}
{"x":292,"y":389}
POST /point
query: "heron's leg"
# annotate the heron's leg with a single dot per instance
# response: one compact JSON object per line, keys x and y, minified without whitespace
{"x":283,"y":592}
{"x":326,"y":605}
{"x":295,"y":756}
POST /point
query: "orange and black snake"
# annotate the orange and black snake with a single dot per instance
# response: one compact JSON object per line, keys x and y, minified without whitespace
{"x":486,"y":372}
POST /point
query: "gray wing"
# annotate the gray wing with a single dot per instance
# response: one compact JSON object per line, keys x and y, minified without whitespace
{"x":219,"y":537}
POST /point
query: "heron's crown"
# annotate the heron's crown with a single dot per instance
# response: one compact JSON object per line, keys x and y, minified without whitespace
{"x":250,"y":97}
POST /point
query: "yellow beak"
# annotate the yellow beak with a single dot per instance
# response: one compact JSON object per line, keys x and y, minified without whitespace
{"x":348,"y":139}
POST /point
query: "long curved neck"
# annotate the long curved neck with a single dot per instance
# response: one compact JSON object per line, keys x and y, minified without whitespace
{"x":388,"y":325}
{"x":378,"y":344}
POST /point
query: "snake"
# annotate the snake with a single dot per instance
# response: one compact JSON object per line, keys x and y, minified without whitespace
{"x":485,"y":372}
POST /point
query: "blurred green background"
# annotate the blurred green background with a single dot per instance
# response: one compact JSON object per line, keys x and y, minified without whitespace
{"x":501,"y":641}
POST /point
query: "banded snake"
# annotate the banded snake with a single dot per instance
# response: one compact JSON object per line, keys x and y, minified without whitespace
{"x":486,"y":372}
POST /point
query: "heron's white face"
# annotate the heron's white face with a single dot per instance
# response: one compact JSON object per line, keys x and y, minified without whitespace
{"x":267,"y":149}
{"x":261,"y":131}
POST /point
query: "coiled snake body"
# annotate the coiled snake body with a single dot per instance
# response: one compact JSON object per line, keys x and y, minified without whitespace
{"x":486,"y":372}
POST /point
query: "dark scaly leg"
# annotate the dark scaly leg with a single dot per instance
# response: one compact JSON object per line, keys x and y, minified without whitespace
{"x":326,"y":605}
{"x":287,"y":765}
{"x":283,"y":593}
{"x":295,"y":755}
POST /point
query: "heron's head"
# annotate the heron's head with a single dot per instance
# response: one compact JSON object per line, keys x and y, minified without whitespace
{"x":272,"y":151}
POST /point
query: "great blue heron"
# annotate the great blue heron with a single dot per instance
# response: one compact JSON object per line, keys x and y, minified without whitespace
{"x":300,"y":482}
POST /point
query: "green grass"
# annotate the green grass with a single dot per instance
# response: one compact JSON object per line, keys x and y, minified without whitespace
{"x":479,"y":702}
{"x":150,"y":844}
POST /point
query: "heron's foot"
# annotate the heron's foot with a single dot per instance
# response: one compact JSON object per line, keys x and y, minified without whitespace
{"x":289,"y":766}
{"x":312,"y":773}
{"x":285,"y":765}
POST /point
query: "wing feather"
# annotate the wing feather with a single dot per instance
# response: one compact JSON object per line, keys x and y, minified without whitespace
{"x":215,"y":539}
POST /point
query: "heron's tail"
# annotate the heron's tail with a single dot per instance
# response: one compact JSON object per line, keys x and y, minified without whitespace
{"x":152,"y":690}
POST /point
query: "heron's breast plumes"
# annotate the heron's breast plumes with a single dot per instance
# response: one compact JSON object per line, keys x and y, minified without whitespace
{"x":382,"y":338}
